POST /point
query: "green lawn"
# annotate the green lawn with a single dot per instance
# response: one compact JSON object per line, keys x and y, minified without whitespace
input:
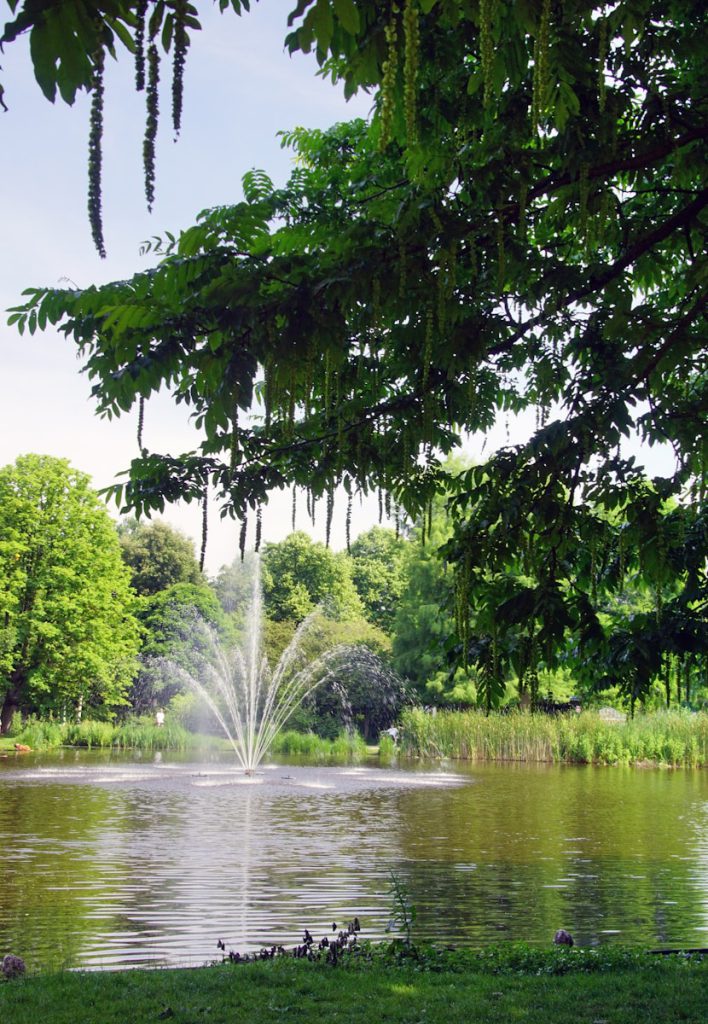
{"x":650,"y":992}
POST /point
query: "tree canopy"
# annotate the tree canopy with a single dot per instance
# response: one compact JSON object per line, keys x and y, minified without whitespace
{"x":158,"y":556}
{"x":521,"y":225}
{"x":378,"y":574}
{"x":68,"y":636}
{"x":299,"y":575}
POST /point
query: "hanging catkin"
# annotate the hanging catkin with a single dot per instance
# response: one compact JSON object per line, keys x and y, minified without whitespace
{"x":139,"y":37}
{"x":388,"y":83}
{"x":141,"y":424}
{"x":181,"y":42}
{"x":603,"y":50}
{"x":330,"y":513}
{"x":242,"y":534}
{"x":411,"y":34}
{"x":486,"y":47}
{"x":151,"y":123}
{"x":95,"y":152}
{"x":540,"y":69}
{"x":205,"y":526}
{"x":234,"y":438}
{"x":348,"y":522}
{"x":259,"y":528}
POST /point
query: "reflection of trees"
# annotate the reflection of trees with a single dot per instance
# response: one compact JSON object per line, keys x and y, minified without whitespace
{"x":48,"y":834}
{"x":526,"y":850}
{"x":159,"y":872}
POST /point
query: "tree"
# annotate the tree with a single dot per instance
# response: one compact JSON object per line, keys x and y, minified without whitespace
{"x":167,"y":621}
{"x":69,"y":637}
{"x":522,"y":225}
{"x":299,"y":575}
{"x":377,"y":571}
{"x":158,"y":556}
{"x":425,"y":619}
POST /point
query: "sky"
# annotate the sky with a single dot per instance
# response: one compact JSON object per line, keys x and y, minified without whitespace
{"x":241,"y":88}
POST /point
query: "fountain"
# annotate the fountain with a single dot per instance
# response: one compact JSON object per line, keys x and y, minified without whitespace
{"x":251,"y":702}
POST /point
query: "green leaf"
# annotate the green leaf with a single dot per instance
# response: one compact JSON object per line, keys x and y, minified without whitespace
{"x":322,"y":24}
{"x":348,"y":15}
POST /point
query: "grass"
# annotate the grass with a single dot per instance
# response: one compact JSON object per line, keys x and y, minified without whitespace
{"x":667,"y":738}
{"x":536,"y":989}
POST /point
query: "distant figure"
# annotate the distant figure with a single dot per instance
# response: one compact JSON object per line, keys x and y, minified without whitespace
{"x":563,"y":938}
{"x":160,"y":717}
{"x":392,"y":732}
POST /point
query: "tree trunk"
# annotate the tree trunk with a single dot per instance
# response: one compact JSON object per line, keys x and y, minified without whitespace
{"x":9,"y":707}
{"x":11,"y":703}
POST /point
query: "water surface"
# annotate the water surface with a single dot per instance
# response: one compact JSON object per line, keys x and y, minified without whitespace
{"x":115,"y":861}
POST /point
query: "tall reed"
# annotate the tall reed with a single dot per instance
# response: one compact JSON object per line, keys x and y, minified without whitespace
{"x":670,"y":738}
{"x":346,"y":746}
{"x":134,"y":733}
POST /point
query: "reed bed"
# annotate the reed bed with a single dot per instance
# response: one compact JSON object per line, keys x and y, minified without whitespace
{"x":666,"y":738}
{"x":346,"y":747}
{"x":138,"y":733}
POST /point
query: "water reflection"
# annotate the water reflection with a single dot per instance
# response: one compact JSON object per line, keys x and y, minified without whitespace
{"x":118,"y":861}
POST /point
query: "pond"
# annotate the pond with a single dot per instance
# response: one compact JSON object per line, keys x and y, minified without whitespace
{"x":113,"y":861}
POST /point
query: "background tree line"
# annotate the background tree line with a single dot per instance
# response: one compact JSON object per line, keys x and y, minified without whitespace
{"x":89,"y":608}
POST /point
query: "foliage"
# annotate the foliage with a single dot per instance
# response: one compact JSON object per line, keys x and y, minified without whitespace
{"x":358,"y":691}
{"x":669,"y":738}
{"x":234,"y":585}
{"x":377,"y":571}
{"x":167,"y":619}
{"x":522,"y":225}
{"x":69,"y":637}
{"x":425,"y":613}
{"x":158,"y":556}
{"x":300,"y":574}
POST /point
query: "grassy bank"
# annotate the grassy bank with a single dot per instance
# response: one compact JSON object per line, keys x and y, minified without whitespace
{"x":578,"y":986}
{"x":677,"y":739}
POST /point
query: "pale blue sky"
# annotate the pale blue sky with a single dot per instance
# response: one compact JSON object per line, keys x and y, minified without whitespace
{"x":241,"y":88}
